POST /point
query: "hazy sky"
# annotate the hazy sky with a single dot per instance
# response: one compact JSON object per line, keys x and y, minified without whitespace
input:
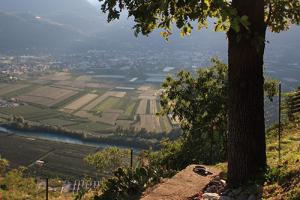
{"x":94,"y":2}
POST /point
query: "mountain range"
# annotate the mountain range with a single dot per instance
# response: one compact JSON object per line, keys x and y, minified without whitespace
{"x":79,"y":25}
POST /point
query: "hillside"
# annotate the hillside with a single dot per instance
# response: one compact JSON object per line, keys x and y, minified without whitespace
{"x":78,"y":14}
{"x":26,"y":31}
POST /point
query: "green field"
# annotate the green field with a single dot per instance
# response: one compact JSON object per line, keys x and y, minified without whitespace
{"x":68,"y":100}
{"x":93,"y":127}
{"x":61,"y":160}
{"x":58,"y":122}
{"x":107,"y":104}
{"x":130,"y":110}
{"x":27,"y":111}
{"x":20,"y":92}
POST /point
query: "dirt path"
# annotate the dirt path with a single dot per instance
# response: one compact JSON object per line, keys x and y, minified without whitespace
{"x":183,"y":185}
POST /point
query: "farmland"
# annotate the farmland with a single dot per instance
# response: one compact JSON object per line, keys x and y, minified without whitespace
{"x":61,"y":159}
{"x":8,"y":88}
{"x":83,"y":103}
{"x":47,"y":96}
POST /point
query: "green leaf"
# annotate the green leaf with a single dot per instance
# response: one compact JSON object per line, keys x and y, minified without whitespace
{"x":244,"y":21}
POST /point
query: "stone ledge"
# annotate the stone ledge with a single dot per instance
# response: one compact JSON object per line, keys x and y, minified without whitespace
{"x":183,"y":185}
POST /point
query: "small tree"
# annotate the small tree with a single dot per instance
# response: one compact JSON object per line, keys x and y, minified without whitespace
{"x":109,"y":159}
{"x":199,"y":103}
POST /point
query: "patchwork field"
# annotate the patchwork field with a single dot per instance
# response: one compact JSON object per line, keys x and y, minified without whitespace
{"x":142,"y":108}
{"x":8,"y":88}
{"x":60,"y":76}
{"x":93,"y":127}
{"x":69,"y":101}
{"x":150,"y":123}
{"x":47,"y":96}
{"x":29,"y":112}
{"x":61,"y":159}
{"x":58,"y":122}
{"x":153,"y":107}
{"x":77,"y":104}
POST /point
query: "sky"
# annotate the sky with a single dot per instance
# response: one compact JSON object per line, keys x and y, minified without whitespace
{"x":93,"y":2}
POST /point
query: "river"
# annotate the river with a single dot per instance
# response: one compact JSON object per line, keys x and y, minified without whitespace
{"x":57,"y":137}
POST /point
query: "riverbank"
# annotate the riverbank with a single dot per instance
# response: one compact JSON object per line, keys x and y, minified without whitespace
{"x":77,"y":137}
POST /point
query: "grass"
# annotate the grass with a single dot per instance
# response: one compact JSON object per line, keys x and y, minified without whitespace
{"x":283,"y":179}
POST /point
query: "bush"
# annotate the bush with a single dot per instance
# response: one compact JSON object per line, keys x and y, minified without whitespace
{"x":129,"y":184}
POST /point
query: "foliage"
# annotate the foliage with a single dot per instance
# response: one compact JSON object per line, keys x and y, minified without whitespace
{"x":283,"y":177}
{"x":3,"y":165}
{"x":129,"y":184}
{"x":292,"y":102}
{"x":15,"y":186}
{"x":199,"y":105}
{"x":198,"y":102}
{"x":150,"y":15}
{"x":109,"y":159}
{"x":245,"y":23}
{"x":271,"y":88}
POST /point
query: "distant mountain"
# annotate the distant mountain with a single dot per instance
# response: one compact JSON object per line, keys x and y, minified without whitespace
{"x":26,"y":31}
{"x":79,"y":14}
{"x":78,"y":25}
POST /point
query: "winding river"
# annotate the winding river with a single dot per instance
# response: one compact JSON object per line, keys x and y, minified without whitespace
{"x":57,"y":137}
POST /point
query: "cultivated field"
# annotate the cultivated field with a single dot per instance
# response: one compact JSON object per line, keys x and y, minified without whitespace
{"x":47,"y":96}
{"x":70,"y":101}
{"x":60,"y":76}
{"x":58,"y":122}
{"x":107,"y":104}
{"x":77,"y":104}
{"x":8,"y":88}
{"x":109,"y":117}
{"x":30,"y":112}
{"x":153,"y":107}
{"x":141,"y":110}
{"x":61,"y":159}
{"x":150,"y":123}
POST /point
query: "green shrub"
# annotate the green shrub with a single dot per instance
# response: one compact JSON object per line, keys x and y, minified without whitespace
{"x":129,"y":184}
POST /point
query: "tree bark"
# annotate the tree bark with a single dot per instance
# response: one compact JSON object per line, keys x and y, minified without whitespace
{"x":246,"y":139}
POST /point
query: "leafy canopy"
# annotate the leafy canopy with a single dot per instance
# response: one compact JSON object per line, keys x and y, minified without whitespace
{"x":152,"y":14}
{"x":109,"y":159}
{"x":198,"y":102}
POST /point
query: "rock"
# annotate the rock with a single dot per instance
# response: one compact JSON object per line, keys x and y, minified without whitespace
{"x":223,"y":182}
{"x":211,"y":196}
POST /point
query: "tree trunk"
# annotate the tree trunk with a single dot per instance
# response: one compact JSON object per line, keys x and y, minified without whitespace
{"x":246,"y":139}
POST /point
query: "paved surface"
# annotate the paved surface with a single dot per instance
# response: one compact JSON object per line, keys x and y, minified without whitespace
{"x":183,"y":185}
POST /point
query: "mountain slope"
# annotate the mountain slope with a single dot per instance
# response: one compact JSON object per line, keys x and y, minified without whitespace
{"x":27,"y":31}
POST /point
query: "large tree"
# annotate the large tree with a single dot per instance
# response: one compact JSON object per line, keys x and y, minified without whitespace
{"x":245,"y":23}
